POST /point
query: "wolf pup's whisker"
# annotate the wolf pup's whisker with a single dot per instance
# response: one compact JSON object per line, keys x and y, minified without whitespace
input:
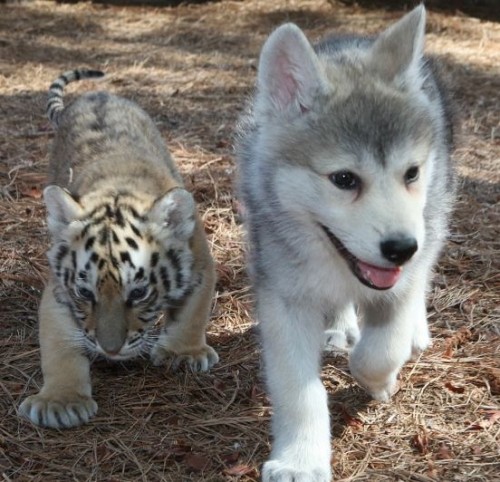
{"x":347,"y":186}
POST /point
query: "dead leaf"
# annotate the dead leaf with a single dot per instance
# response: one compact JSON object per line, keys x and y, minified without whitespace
{"x":239,"y":208}
{"x":351,"y":421}
{"x":31,"y":191}
{"x":197,"y":463}
{"x":480,"y":425}
{"x":225,"y":273}
{"x":444,"y":452}
{"x":448,"y":352}
{"x":463,"y":334}
{"x":256,"y":393}
{"x":219,"y":385}
{"x":222,"y":143}
{"x":231,"y":458}
{"x":454,"y":388}
{"x":421,"y":442}
{"x":174,"y":420}
{"x":476,"y":450}
{"x":456,"y":340}
{"x":491,"y":416}
{"x":178,"y":451}
{"x":494,"y":381}
{"x":101,"y":452}
{"x":432,"y":470}
{"x":240,"y":469}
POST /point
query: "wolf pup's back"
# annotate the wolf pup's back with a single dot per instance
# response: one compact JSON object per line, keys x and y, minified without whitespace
{"x":127,"y":246}
{"x":345,"y":175}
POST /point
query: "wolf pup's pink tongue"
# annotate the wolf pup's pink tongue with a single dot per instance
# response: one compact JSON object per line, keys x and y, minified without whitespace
{"x":382,"y":278}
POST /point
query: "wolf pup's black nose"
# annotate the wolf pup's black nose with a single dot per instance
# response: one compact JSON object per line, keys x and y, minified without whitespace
{"x":398,"y":250}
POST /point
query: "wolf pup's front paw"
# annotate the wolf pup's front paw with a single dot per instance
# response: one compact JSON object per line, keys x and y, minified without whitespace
{"x":277,"y":471}
{"x":420,"y":342}
{"x":199,"y":360}
{"x":58,"y":412}
{"x":381,"y":389}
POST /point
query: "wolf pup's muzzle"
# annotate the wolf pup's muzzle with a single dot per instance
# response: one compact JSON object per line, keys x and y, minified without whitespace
{"x":397,"y":250}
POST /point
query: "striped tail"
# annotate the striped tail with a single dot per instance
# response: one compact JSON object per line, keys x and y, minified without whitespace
{"x":55,"y":104}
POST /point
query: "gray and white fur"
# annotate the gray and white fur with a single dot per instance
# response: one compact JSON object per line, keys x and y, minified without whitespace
{"x":347,"y":185}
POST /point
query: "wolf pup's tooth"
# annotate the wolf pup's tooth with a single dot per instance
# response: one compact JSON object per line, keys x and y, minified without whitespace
{"x":345,"y":175}
{"x":127,"y":246}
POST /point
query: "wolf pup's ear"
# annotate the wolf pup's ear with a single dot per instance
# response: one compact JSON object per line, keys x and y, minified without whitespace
{"x":175,"y":212}
{"x":62,"y":209}
{"x":290,"y":74}
{"x":397,"y":53}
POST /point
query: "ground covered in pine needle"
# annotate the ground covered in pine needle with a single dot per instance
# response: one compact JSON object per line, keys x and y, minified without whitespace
{"x":192,"y":67}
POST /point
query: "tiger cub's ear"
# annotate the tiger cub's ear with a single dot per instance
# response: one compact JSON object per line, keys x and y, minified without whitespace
{"x":62,"y":209}
{"x":175,"y":212}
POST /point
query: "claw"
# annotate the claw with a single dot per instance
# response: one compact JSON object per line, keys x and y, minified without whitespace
{"x":56,"y":413}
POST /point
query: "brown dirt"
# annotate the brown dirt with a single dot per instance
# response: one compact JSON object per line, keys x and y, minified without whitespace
{"x":191,"y":67}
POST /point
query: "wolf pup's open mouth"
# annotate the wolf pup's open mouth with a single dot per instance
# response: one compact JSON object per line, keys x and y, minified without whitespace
{"x":372,"y":276}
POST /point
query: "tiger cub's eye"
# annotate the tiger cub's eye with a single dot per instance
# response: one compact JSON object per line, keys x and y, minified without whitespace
{"x":84,"y":293}
{"x":138,"y":293}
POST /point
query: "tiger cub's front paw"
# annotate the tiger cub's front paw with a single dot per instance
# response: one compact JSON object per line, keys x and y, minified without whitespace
{"x":58,"y":412}
{"x":199,"y":360}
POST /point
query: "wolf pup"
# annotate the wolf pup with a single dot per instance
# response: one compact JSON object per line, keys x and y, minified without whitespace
{"x":127,"y":245}
{"x":345,"y":176}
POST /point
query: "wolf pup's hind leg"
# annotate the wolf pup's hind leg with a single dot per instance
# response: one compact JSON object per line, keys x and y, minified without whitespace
{"x":342,"y":330}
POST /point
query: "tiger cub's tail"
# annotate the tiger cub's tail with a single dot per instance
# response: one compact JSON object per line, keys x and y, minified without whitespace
{"x":55,"y":104}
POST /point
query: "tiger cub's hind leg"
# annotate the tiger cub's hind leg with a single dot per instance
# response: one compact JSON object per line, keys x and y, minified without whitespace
{"x":65,"y":399}
{"x":183,"y":337}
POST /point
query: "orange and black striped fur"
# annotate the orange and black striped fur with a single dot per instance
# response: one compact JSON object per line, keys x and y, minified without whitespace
{"x":127,"y":247}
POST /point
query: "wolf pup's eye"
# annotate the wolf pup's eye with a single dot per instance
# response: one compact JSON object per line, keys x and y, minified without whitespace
{"x":138,"y":293}
{"x":346,"y":180}
{"x":84,"y":294}
{"x":411,"y":175}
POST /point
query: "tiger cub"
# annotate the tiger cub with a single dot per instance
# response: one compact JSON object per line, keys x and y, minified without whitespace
{"x":127,"y":246}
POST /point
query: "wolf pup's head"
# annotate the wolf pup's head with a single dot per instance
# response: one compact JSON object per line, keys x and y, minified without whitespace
{"x":351,"y":131}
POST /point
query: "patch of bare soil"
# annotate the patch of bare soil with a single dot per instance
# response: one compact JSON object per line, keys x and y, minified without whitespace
{"x":192,"y":67}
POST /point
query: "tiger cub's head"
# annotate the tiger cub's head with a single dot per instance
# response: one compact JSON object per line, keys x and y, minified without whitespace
{"x":118,"y":262}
